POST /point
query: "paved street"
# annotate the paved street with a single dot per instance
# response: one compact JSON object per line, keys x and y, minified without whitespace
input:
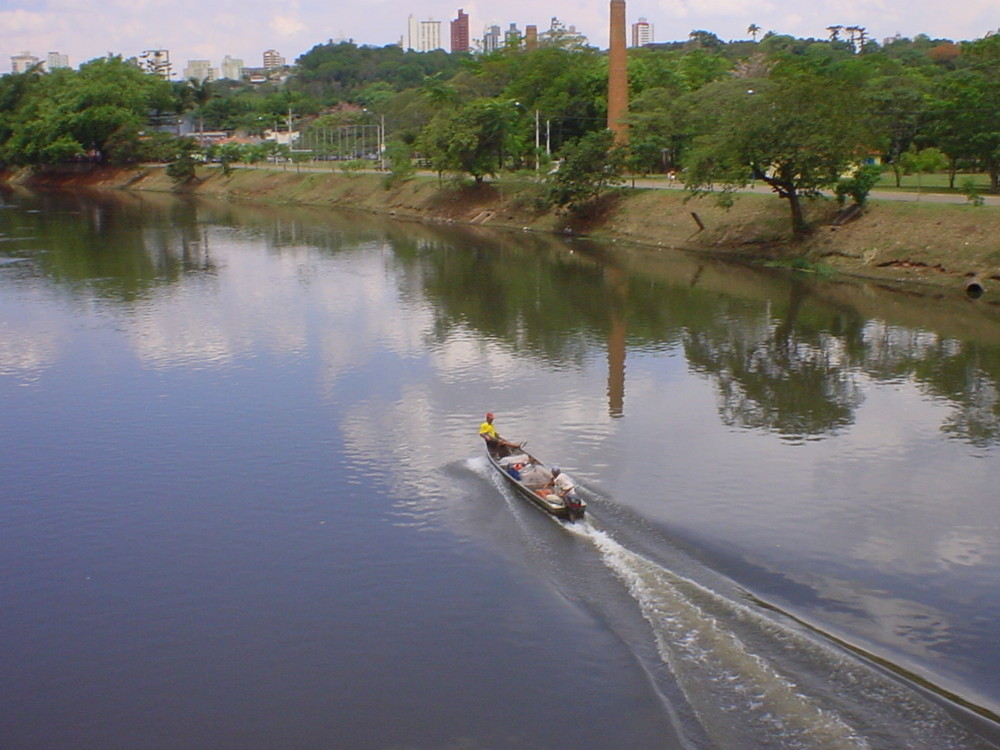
{"x":662,"y":183}
{"x":881,"y":195}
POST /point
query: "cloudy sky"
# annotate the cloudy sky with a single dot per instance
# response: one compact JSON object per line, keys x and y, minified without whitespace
{"x":210,"y":29}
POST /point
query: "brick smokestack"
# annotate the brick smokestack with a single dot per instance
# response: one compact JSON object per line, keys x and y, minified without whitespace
{"x":617,"y":74}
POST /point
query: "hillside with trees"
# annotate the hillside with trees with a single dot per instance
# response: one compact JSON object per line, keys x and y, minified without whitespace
{"x":800,"y":115}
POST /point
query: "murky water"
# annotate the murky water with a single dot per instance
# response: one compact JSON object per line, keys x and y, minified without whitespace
{"x":243,"y":502}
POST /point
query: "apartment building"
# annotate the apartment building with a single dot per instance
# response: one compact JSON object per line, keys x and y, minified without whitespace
{"x":423,"y":36}
{"x":642,"y":33}
{"x":273,"y":60}
{"x":460,"y":32}
{"x":55,"y":60}
{"x":232,"y":68}
{"x":156,"y":62}
{"x":23,"y":63}
{"x":200,"y":70}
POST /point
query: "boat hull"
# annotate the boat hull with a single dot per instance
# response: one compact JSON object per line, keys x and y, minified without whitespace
{"x":571,"y":511}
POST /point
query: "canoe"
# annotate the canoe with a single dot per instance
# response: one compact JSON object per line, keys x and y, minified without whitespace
{"x":530,"y":478}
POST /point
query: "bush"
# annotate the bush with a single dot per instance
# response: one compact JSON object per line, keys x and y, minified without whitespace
{"x":858,"y":185}
{"x":971,"y":192}
{"x":400,"y":164}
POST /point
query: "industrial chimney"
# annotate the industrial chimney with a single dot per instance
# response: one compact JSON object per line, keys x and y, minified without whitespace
{"x":617,"y":74}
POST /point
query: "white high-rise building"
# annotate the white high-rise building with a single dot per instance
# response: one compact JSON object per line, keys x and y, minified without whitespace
{"x":642,"y":33}
{"x":156,"y":62}
{"x":273,"y":60}
{"x":423,"y":36}
{"x":54,"y":61}
{"x":491,"y":38}
{"x":232,"y":67}
{"x":200,"y":70}
{"x":513,"y":36}
{"x":23,"y":63}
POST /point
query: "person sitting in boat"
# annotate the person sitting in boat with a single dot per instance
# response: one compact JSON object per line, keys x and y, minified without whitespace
{"x":497,"y":444}
{"x":561,"y":484}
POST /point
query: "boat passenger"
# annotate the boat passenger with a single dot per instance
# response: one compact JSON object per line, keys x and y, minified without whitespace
{"x":561,"y":484}
{"x":496,"y":443}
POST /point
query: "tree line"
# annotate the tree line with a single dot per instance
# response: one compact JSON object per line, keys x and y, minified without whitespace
{"x":801,"y":115}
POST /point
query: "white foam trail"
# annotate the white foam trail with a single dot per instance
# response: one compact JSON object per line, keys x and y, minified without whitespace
{"x":736,"y":695}
{"x":797,"y":692}
{"x":787,"y":690}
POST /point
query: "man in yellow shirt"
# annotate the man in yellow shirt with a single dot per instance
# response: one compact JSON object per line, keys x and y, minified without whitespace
{"x":489,"y":433}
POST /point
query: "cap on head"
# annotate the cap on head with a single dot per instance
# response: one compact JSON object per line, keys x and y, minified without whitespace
{"x":489,"y":415}
{"x":556,"y":470}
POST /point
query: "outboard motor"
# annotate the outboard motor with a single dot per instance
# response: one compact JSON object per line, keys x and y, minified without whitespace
{"x":574,"y":503}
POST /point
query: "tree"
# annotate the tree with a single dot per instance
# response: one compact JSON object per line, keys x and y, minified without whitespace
{"x":896,"y":100}
{"x":753,"y":30}
{"x":797,"y":132}
{"x":400,"y":163}
{"x":228,"y":154}
{"x":201,"y":94}
{"x":706,"y":39}
{"x":587,"y":167}
{"x":182,"y":169}
{"x":924,"y":161}
{"x":471,"y":139}
{"x":568,"y":88}
{"x":15,"y":90}
{"x":69,"y":113}
{"x":965,"y":124}
{"x":659,"y":130}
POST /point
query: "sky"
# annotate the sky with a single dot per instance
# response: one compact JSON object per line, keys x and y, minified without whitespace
{"x":211,"y":29}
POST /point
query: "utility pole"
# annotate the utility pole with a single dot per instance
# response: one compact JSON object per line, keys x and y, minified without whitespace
{"x":537,"y":146}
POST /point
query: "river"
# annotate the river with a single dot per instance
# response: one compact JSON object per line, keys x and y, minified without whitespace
{"x":244,"y":504}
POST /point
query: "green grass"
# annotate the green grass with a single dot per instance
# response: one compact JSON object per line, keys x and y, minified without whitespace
{"x":937,"y":182}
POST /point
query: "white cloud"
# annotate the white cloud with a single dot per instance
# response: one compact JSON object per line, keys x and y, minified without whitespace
{"x":23,"y":22}
{"x":287,"y":26}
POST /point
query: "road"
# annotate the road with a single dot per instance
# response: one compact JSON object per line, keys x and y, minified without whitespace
{"x":664,"y":184}
{"x":881,"y":195}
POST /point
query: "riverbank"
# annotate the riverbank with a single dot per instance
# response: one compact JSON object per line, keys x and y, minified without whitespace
{"x":897,"y":242}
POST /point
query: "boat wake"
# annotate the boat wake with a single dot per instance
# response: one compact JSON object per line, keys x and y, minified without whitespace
{"x":750,"y":679}
{"x":736,"y":675}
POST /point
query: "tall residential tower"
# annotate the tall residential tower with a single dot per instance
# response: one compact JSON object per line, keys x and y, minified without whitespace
{"x":642,"y":33}
{"x":460,"y":32}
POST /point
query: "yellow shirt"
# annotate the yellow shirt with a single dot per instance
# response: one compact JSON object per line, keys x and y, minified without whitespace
{"x":486,"y":429}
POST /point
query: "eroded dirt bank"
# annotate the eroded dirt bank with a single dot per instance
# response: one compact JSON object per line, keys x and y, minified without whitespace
{"x":921,"y":243}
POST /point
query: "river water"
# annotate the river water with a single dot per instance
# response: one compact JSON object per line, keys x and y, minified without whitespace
{"x":243,"y":503}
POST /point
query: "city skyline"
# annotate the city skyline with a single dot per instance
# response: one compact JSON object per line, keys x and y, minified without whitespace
{"x":85,"y":29}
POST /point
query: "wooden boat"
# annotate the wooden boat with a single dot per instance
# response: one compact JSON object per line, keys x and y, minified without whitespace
{"x":528,"y":480}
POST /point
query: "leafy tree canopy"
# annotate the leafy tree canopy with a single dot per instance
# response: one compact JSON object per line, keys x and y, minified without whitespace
{"x":70,"y":113}
{"x":798,"y":132}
